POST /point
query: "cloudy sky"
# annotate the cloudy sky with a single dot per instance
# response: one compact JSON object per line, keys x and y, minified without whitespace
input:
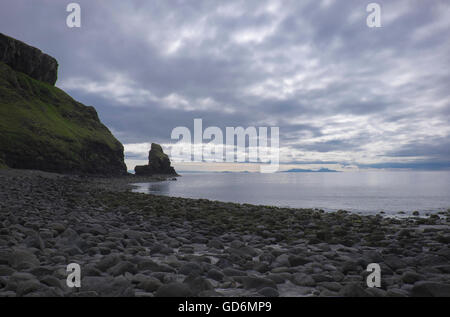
{"x":345,"y":96}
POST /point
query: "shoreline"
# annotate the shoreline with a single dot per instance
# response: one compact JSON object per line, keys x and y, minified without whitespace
{"x":131,"y":244}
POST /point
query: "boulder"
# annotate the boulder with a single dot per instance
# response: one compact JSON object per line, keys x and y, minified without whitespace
{"x":254,"y":282}
{"x":150,"y":284}
{"x":197,"y":284}
{"x":22,"y":258}
{"x":107,"y":286}
{"x":431,"y":289}
{"x":268,"y":292}
{"x":190,"y":269}
{"x":215,"y":275}
{"x":353,"y":290}
{"x":174,"y":289}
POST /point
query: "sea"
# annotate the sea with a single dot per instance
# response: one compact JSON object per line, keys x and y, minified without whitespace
{"x":393,"y":193}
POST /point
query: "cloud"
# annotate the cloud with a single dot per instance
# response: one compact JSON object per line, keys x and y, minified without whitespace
{"x":338,"y":90}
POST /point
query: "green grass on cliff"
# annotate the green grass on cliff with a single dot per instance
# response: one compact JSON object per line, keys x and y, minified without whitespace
{"x":40,"y":125}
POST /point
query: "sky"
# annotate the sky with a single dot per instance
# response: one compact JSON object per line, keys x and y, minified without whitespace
{"x":344,"y":96}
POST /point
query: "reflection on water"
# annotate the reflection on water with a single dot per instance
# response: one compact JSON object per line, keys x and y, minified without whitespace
{"x":365,"y":192}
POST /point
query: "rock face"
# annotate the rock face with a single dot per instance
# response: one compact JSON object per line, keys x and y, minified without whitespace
{"x":158,"y":163}
{"x":43,"y":128}
{"x":28,"y":60}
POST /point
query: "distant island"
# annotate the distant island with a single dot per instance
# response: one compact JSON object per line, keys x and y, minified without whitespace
{"x":294,"y":170}
{"x":299,"y":170}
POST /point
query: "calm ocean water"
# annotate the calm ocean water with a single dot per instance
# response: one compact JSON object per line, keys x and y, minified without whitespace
{"x":365,"y":192}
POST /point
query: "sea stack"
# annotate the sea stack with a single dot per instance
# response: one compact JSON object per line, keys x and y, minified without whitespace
{"x":158,"y":163}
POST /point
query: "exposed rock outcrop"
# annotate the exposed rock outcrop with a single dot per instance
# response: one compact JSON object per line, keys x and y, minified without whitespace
{"x":43,"y":128}
{"x":158,"y":163}
{"x":28,"y":60}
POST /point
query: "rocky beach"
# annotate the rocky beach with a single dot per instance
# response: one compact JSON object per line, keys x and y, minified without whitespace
{"x":131,"y":244}
{"x":358,"y":113}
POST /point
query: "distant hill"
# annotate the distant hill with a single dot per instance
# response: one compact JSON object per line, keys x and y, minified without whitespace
{"x":298,"y":170}
{"x":42,"y":127}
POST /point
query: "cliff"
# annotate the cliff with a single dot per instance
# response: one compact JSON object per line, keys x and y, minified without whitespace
{"x":41,"y":127}
{"x":158,"y":163}
{"x":28,"y":60}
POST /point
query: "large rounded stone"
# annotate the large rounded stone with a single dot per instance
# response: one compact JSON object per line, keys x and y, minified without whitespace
{"x":215,"y":275}
{"x":431,"y":289}
{"x":174,"y":290}
{"x":190,"y":269}
{"x":22,"y":259}
{"x":268,"y":292}
{"x":150,"y":284}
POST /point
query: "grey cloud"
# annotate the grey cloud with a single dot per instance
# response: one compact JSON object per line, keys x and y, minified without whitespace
{"x":314,"y":68}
